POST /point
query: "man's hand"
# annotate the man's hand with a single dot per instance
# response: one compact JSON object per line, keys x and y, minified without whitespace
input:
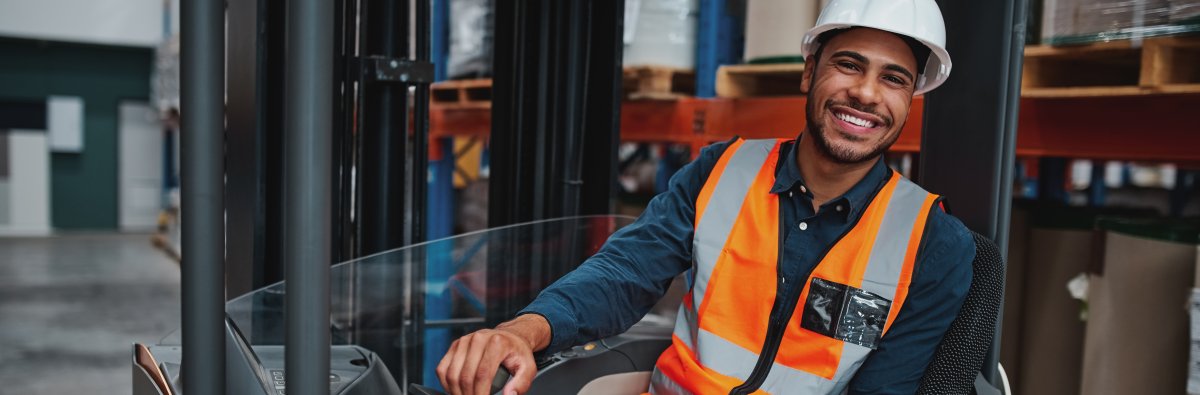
{"x":472,"y":361}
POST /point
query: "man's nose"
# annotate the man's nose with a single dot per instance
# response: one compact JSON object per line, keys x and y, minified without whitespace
{"x":866,"y":92}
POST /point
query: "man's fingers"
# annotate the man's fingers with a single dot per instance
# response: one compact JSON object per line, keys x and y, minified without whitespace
{"x":443,"y":367}
{"x":523,"y":369}
{"x":495,"y":349}
{"x":454,"y":374}
{"x":467,"y":378}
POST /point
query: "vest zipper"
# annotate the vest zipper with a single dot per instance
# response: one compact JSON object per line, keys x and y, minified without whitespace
{"x":781,"y":314}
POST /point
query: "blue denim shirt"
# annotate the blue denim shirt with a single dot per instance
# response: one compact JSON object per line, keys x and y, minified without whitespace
{"x":613,"y":289}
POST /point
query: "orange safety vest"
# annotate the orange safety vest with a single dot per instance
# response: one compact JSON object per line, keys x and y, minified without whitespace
{"x":724,"y":320}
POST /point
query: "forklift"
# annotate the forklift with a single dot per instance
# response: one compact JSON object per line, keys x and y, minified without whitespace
{"x":305,"y":140}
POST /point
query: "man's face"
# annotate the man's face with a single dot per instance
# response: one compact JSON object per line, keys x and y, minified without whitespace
{"x":859,"y":94}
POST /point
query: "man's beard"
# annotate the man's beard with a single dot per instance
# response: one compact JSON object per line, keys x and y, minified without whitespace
{"x":843,"y":155}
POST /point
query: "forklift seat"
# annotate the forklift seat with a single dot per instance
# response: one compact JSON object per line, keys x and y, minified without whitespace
{"x":955,"y":368}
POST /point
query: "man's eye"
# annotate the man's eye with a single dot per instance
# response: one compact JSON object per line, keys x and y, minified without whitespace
{"x":895,"y":80}
{"x":848,"y":65}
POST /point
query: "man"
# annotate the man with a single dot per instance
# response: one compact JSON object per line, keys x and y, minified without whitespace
{"x":812,"y":267}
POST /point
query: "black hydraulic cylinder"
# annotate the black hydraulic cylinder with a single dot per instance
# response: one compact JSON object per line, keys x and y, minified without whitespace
{"x":307,"y":243}
{"x":969,"y":139}
{"x":555,"y":127}
{"x":202,"y":81}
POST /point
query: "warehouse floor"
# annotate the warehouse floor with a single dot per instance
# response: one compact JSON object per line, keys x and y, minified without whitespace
{"x":71,"y":307}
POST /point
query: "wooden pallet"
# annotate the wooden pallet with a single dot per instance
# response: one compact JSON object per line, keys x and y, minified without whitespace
{"x":759,"y":80}
{"x":1159,"y":65}
{"x":658,"y":83}
{"x":462,"y":93}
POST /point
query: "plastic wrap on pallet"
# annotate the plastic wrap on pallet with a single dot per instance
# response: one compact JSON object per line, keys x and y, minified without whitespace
{"x":470,"y":39}
{"x":1067,"y":22}
{"x":661,"y":33}
{"x":1185,"y":11}
{"x":775,"y":29}
{"x":164,"y":84}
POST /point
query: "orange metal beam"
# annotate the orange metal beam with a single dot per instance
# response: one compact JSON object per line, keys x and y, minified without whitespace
{"x":1160,"y":128}
{"x":783,"y":117}
{"x":450,"y":121}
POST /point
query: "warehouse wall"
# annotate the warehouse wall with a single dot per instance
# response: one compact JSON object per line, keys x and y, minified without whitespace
{"x":115,"y":22}
{"x":83,"y":185}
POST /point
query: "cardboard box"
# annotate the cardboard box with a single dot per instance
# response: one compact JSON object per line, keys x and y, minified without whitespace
{"x":1138,"y":328}
{"x":1051,"y":331}
{"x":1042,"y":333}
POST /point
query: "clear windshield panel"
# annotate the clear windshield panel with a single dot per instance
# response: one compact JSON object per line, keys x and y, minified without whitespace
{"x":408,"y":304}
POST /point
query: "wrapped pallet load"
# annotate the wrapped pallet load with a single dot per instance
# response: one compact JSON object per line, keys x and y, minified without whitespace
{"x":1138,"y":325}
{"x":1067,"y":22}
{"x":775,"y":29}
{"x":1185,"y":12}
{"x":660,"y":33}
{"x":470,"y":39}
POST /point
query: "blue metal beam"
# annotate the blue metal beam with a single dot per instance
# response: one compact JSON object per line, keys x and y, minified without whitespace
{"x":441,"y":39}
{"x":718,"y":42}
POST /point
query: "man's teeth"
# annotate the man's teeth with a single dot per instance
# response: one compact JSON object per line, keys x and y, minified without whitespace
{"x":855,"y":120}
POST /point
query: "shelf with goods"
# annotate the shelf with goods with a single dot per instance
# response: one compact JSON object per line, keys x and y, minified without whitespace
{"x":1150,"y":66}
{"x":1160,"y":127}
{"x":1128,"y":100}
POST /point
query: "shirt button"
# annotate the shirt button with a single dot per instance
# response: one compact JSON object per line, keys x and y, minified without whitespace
{"x":804,"y":226}
{"x":803,"y":189}
{"x":789,"y":193}
{"x":839,"y":208}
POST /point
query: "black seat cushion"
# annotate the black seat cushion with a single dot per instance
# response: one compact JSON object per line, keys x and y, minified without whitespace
{"x":959,"y":357}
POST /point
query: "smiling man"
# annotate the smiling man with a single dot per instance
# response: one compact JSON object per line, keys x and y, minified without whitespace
{"x":812,"y":267}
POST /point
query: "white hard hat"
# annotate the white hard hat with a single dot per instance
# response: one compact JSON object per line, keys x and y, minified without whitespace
{"x":919,"y":19}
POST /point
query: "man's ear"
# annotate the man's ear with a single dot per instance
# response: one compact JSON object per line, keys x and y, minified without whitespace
{"x":810,"y":66}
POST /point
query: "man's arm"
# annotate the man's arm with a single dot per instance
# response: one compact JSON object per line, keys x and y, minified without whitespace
{"x":613,"y":289}
{"x":939,"y":287}
{"x":606,"y":295}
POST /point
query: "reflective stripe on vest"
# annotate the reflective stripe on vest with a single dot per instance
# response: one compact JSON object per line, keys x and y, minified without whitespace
{"x":722,"y":323}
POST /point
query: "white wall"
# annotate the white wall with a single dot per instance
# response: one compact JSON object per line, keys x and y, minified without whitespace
{"x":114,"y":22}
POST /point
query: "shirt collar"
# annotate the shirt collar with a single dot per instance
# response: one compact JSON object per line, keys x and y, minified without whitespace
{"x":787,"y":178}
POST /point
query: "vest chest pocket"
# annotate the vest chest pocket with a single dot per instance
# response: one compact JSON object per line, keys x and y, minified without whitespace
{"x":845,"y":313}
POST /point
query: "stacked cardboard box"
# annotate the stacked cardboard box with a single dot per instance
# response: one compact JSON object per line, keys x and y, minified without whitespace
{"x":1042,"y":330}
{"x":1138,"y":325}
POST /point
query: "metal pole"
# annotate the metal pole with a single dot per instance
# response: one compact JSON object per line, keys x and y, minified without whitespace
{"x":308,"y":123}
{"x":203,"y":273}
{"x":419,"y":188}
{"x":1015,"y":60}
{"x":975,"y":169}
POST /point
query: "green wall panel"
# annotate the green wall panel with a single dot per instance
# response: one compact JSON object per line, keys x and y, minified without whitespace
{"x":84,"y":185}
